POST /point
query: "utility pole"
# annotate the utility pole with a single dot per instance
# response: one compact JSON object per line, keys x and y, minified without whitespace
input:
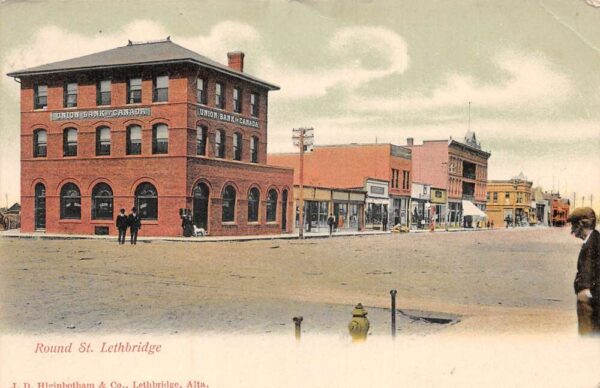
{"x":583,"y":200}
{"x":592,"y":201}
{"x":304,"y":139}
{"x":574,"y":199}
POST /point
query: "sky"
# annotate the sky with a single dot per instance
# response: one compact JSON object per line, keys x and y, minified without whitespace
{"x":363,"y":71}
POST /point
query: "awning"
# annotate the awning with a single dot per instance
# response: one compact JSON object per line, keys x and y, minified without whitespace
{"x":469,"y":209}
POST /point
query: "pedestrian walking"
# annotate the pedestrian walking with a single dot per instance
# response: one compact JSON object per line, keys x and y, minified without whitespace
{"x":587,"y":280}
{"x":122,"y":225}
{"x":330,"y":222}
{"x":135,"y":224}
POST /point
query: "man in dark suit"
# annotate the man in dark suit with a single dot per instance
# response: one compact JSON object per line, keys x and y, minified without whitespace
{"x":135,"y":224}
{"x":122,"y":226}
{"x":587,"y":280}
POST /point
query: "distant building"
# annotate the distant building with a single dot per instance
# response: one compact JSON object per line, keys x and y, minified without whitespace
{"x":458,"y":168}
{"x":542,"y":206}
{"x":509,"y":201}
{"x":382,"y":170}
{"x":151,"y":125}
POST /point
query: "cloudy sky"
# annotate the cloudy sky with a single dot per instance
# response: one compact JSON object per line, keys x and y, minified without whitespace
{"x":361,"y":71}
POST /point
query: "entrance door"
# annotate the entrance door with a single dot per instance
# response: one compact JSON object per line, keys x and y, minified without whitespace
{"x":200,"y":217}
{"x":284,"y":199}
{"x":40,"y":206}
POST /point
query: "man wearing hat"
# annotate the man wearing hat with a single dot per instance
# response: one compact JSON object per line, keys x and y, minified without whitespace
{"x":587,"y":280}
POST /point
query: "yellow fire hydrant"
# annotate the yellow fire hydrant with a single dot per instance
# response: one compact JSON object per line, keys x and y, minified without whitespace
{"x":359,"y":325}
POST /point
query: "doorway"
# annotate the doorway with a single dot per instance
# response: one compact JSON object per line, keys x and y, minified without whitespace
{"x":284,"y":198}
{"x":40,"y":207}
{"x":200,"y":216}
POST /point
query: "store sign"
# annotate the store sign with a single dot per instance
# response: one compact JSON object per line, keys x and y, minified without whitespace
{"x":100,"y":114}
{"x":227,"y":117}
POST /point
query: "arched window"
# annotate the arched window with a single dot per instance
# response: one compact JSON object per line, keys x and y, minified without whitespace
{"x":103,"y":141}
{"x":220,"y":143}
{"x":237,"y":146}
{"x":160,"y":139}
{"x":102,"y":202}
{"x":272,"y":205}
{"x":146,"y":201}
{"x":70,"y":142}
{"x":134,"y":140}
{"x":254,"y":149}
{"x":253,"y":202}
{"x":40,"y":143}
{"x":40,"y":206}
{"x":228,"y":204}
{"x":70,"y":202}
{"x":201,"y":137}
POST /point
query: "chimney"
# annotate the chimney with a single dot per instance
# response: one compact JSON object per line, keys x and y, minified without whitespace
{"x":235,"y":60}
{"x":410,"y":141}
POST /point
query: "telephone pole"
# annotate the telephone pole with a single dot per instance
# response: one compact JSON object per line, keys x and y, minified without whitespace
{"x":304,"y":139}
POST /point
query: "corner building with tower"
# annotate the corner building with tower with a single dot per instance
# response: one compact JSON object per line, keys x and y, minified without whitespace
{"x":155,"y":126}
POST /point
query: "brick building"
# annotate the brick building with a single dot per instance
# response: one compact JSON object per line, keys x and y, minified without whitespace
{"x":459,"y":168}
{"x":382,"y":170}
{"x":151,"y":125}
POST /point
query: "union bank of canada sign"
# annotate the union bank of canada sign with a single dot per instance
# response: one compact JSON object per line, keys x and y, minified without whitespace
{"x":227,"y":117}
{"x":100,"y":114}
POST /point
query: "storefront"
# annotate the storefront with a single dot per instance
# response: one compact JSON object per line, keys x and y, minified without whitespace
{"x":438,"y":206}
{"x":346,"y":206}
{"x":420,"y":205}
{"x":399,"y":210}
{"x":377,"y":202}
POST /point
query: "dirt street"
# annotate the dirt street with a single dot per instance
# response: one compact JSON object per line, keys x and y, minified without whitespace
{"x":490,"y":281}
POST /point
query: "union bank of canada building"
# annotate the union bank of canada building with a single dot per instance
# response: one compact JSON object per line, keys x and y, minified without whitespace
{"x":154,"y":126}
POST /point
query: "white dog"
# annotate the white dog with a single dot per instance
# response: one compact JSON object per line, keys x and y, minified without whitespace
{"x":199,"y":232}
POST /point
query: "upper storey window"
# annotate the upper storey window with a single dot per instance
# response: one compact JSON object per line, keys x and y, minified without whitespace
{"x":161,"y":89}
{"x":70,"y":95}
{"x":219,"y":100}
{"x":134,"y":91}
{"x":39,"y":143}
{"x":201,"y":91}
{"x":254,"y":104}
{"x":70,"y":142}
{"x":254,"y":149}
{"x":237,"y":100}
{"x":40,"y":99}
{"x":160,"y":139}
{"x":103,"y":92}
{"x":134,"y":140}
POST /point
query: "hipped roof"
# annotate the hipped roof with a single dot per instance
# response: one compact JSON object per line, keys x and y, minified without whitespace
{"x":136,"y":54}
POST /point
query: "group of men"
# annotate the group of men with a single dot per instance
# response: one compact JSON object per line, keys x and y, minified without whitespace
{"x":131,"y":221}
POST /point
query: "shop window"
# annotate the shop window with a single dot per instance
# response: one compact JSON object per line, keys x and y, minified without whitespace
{"x":70,"y":202}
{"x":253,"y":203}
{"x":40,"y":99}
{"x":146,"y":201}
{"x":220,"y":143}
{"x":134,"y":140}
{"x":254,"y":149}
{"x":219,"y":100}
{"x":134,"y":91}
{"x":70,"y":95}
{"x":254,"y":104}
{"x":102,"y":202}
{"x":70,"y":142}
{"x":102,"y":141}
{"x":160,"y":89}
{"x":272,"y":205}
{"x":228,"y":204}
{"x":160,"y":139}
{"x":237,"y":146}
{"x":40,"y":143}
{"x":201,"y":138}
{"x":237,"y":100}
{"x":201,"y":91}
{"x":103,"y":89}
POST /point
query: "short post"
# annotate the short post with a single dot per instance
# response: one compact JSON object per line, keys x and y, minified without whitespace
{"x":393,"y":294}
{"x":297,"y":323}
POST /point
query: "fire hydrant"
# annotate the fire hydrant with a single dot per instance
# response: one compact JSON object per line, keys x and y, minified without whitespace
{"x":359,"y":325}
